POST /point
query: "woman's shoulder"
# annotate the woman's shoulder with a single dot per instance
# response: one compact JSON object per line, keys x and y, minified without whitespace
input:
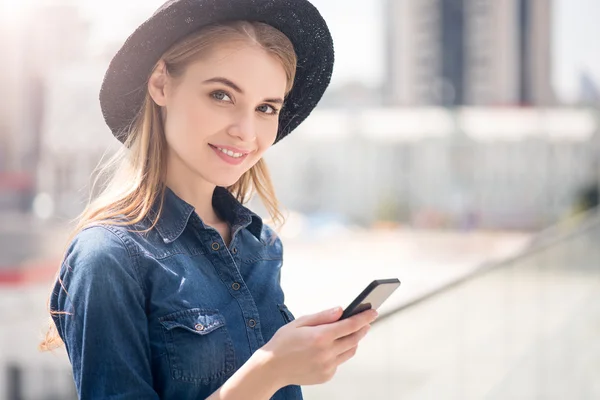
{"x":98,"y":255}
{"x":98,"y":242}
{"x":97,"y":263}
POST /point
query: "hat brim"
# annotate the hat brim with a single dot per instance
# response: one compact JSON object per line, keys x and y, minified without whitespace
{"x":124,"y":85}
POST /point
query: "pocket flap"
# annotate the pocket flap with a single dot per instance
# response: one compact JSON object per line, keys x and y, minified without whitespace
{"x":196,"y":320}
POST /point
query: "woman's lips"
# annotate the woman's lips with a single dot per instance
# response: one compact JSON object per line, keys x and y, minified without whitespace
{"x":227,"y":158}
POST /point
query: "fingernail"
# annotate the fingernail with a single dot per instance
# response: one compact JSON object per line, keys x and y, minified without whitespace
{"x":334,"y":310}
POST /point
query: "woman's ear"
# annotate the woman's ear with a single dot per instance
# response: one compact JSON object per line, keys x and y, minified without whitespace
{"x":157,"y":84}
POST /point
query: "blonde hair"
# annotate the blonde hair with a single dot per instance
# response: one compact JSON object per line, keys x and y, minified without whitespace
{"x":133,"y":178}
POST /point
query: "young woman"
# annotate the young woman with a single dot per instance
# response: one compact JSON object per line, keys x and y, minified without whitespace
{"x":170,"y":286}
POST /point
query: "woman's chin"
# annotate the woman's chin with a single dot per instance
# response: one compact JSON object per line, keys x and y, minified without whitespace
{"x":225,"y":181}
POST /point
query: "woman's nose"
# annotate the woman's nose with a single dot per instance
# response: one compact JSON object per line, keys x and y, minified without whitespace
{"x":244,"y":128}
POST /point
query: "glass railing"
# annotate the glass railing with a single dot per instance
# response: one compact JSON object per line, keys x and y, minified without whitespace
{"x":526,"y":329}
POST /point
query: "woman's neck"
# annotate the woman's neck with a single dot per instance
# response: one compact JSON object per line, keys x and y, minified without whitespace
{"x":198,"y":193}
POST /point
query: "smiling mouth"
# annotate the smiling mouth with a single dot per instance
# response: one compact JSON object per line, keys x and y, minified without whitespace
{"x":230,"y":153}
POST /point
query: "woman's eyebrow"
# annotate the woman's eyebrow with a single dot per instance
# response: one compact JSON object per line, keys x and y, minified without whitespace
{"x":227,"y":82}
{"x":277,"y":100}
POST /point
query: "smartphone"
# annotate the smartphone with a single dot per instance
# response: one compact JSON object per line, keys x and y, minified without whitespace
{"x":372,"y":297}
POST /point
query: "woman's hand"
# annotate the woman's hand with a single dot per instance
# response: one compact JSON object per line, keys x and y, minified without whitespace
{"x":308,"y":350}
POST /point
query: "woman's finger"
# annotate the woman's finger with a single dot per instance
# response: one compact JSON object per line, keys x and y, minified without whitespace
{"x":350,"y":325}
{"x":345,"y":356}
{"x":346,"y":343}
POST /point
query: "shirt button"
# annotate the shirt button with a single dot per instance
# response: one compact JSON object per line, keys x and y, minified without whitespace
{"x":199,"y":327}
{"x":234,"y":250}
{"x":215,"y":246}
{"x":235,"y":286}
{"x":252,"y":323}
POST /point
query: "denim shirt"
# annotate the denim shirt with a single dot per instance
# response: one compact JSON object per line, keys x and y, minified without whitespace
{"x":174,"y":312}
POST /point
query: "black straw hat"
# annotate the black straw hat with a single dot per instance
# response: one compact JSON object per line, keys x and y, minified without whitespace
{"x":124,"y":86}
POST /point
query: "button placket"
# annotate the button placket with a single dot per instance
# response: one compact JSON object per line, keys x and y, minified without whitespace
{"x":236,"y":284}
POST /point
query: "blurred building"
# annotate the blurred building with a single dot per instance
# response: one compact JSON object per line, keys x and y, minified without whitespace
{"x":12,"y":80}
{"x":492,"y":168}
{"x":42,"y":38}
{"x":468,"y":52}
{"x":75,"y":137}
{"x":351,"y":94}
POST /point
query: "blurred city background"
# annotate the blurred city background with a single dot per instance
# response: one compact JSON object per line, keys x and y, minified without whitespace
{"x":457,"y":149}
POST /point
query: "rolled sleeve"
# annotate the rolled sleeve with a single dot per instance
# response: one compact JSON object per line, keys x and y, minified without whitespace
{"x":102,"y":319}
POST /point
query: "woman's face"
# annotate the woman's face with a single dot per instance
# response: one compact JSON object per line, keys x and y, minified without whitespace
{"x":222,"y":114}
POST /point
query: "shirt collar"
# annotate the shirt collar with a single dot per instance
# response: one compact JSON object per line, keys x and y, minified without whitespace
{"x":176,"y":213}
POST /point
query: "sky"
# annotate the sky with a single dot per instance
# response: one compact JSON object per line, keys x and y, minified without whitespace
{"x":357,"y":30}
{"x":576,"y":43}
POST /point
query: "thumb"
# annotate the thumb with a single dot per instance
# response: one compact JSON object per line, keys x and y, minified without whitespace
{"x":323,"y":317}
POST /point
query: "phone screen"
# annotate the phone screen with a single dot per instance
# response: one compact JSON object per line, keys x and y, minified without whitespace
{"x":372,"y":297}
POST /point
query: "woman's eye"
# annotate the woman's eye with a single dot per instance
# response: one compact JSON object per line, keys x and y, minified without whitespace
{"x":267,"y":109}
{"x":221,"y":96}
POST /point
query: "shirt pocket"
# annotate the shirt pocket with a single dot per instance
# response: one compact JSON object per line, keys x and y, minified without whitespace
{"x":286,"y":313}
{"x":198,"y":345}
